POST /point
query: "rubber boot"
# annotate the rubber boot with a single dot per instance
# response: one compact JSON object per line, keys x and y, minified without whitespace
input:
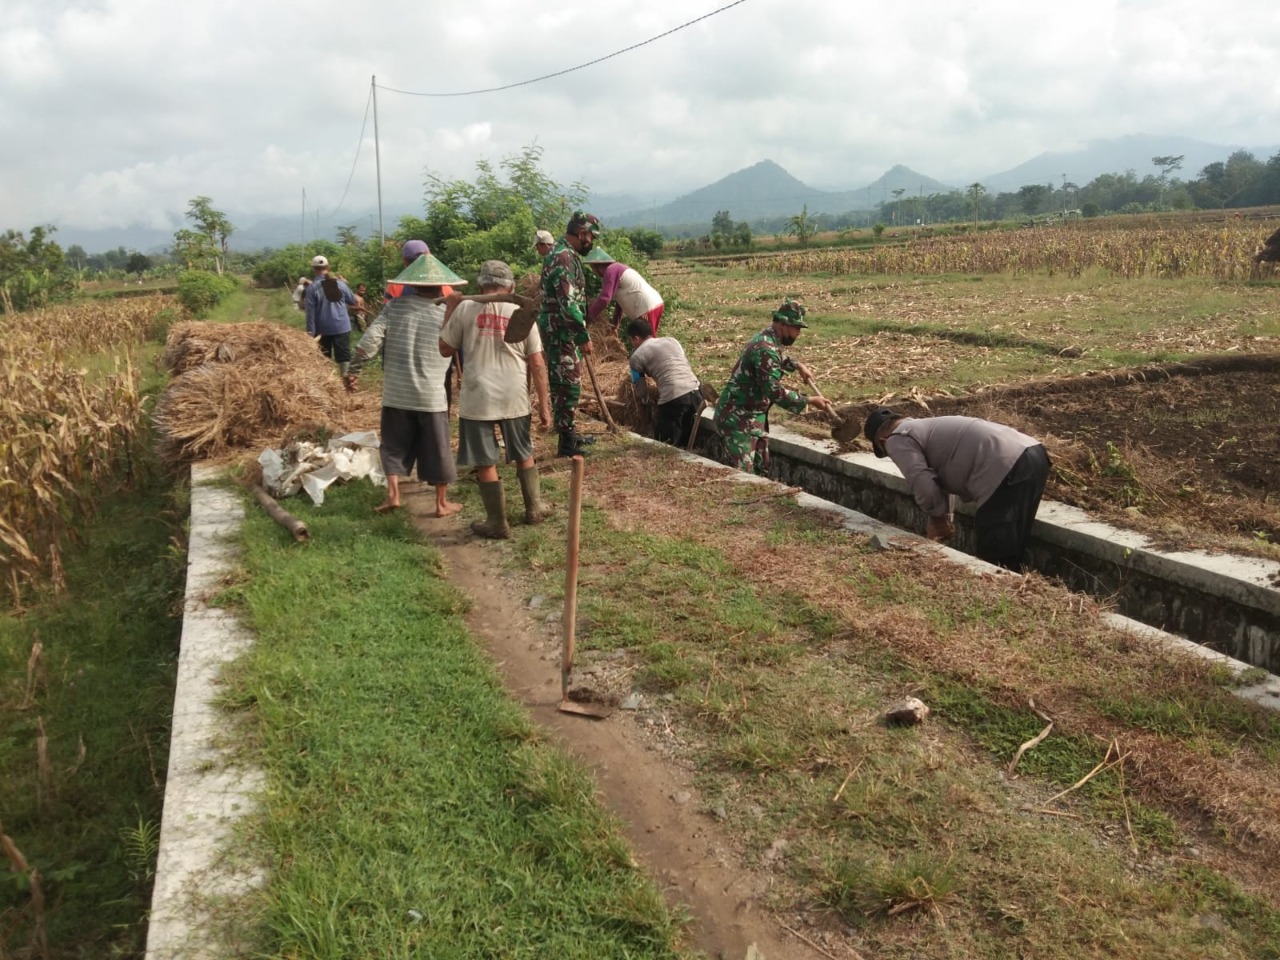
{"x":531,"y":490}
{"x":570,"y":447}
{"x":342,"y":368}
{"x":494,"y":527}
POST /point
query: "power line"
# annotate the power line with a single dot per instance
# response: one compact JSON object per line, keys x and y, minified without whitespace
{"x":355,"y":159}
{"x":561,"y":73}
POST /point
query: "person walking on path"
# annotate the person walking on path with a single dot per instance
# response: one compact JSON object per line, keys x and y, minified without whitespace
{"x":679,"y":390}
{"x":563,"y":323}
{"x":495,"y":393}
{"x":299,"y":292}
{"x":328,"y":322}
{"x":415,"y":414}
{"x":633,"y":297}
{"x":410,"y":252}
{"x":755,"y":385}
{"x":997,"y":467}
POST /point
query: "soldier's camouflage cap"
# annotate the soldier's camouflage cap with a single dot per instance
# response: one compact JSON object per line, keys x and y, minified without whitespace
{"x":584,"y":221}
{"x":790,"y":313}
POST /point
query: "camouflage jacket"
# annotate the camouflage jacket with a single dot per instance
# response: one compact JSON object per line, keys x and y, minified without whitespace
{"x":756,"y":382}
{"x":564,"y":292}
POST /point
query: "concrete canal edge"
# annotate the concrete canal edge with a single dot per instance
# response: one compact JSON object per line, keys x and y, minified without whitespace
{"x":206,"y":792}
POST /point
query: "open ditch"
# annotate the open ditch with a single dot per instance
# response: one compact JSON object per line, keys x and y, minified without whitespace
{"x":1185,"y":454}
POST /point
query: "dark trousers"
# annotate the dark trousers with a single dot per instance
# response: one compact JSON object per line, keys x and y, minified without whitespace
{"x":673,"y":420}
{"x":336,"y":346}
{"x":1002,"y":525}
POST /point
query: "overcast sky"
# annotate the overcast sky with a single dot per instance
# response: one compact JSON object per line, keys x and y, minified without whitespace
{"x":116,"y":112}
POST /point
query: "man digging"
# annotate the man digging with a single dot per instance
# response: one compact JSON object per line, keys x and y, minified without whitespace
{"x":495,"y":393}
{"x":415,"y":412}
{"x":755,"y":385}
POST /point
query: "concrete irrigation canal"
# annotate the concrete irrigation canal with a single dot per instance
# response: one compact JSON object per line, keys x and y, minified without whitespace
{"x":1228,"y":603}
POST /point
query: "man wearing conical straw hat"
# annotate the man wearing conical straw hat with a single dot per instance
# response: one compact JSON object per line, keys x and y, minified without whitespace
{"x":415,"y":412}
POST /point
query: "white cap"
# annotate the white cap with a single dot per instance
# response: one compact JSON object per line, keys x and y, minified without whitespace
{"x":319,"y":261}
{"x":543,"y":236}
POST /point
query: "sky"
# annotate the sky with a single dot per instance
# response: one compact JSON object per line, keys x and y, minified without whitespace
{"x":116,"y":113}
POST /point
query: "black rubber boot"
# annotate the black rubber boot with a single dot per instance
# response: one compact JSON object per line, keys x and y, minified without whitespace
{"x":570,"y":446}
{"x":494,"y":526}
{"x":531,"y":491}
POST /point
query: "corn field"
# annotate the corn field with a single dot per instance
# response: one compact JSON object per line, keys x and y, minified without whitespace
{"x":63,"y":429}
{"x":1219,"y":251}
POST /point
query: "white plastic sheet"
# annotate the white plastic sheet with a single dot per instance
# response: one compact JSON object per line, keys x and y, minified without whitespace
{"x":311,"y":468}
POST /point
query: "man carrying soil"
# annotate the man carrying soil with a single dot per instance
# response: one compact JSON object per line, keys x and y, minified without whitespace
{"x":563,"y":323}
{"x":755,"y":385}
{"x":328,"y":322}
{"x":415,"y":414}
{"x":997,"y":467}
{"x":679,"y":391}
{"x":495,"y":393}
{"x":631,"y":293}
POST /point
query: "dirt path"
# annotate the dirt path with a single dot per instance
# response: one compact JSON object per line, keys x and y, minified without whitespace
{"x":673,"y":838}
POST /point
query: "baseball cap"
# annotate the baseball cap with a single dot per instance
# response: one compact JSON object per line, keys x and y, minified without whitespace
{"x":495,"y":273}
{"x":791,"y":313}
{"x":413,"y":249}
{"x":319,"y":260}
{"x":877,"y":419}
{"x":543,"y":236}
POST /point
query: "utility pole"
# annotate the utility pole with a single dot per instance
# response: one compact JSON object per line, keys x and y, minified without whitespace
{"x":1064,"y":195}
{"x":302,"y":227}
{"x":377,"y":160}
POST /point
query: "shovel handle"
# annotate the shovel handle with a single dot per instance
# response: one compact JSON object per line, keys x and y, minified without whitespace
{"x":595,"y":386}
{"x":570,"y":615}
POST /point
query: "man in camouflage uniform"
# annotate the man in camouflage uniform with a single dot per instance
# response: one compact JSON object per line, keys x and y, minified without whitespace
{"x":563,"y":325}
{"x":742,"y":412}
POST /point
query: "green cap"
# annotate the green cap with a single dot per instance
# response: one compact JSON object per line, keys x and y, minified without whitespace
{"x":427,"y":271}
{"x":598,"y":255}
{"x":791,"y":313}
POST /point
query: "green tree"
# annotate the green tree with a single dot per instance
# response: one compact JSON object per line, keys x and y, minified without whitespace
{"x":976,"y":192}
{"x":801,"y":226}
{"x":33,"y":270}
{"x":722,"y":223}
{"x":347,"y":236}
{"x":1032,"y":197}
{"x":207,"y":243}
{"x":139,"y":263}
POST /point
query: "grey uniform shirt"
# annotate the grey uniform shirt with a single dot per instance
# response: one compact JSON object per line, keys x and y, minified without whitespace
{"x":963,"y":456}
{"x":407,"y":333}
{"x":663,"y":359}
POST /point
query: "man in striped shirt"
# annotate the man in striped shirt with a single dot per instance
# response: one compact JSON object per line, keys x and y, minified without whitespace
{"x":415,"y":413}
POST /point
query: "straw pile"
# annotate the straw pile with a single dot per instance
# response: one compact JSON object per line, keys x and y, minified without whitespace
{"x":241,"y":387}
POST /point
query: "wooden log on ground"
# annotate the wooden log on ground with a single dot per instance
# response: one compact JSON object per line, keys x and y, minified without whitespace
{"x":297,"y":529}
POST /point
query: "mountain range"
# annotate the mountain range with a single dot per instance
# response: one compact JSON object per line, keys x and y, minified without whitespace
{"x":754,"y":193}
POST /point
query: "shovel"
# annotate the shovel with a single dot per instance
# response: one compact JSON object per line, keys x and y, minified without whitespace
{"x":604,"y":407}
{"x":834,"y":418}
{"x":567,"y":705}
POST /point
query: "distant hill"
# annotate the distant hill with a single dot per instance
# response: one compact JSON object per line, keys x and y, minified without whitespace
{"x":1133,"y":152}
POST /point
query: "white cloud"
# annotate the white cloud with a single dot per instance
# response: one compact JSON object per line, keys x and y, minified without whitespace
{"x":122,"y":110}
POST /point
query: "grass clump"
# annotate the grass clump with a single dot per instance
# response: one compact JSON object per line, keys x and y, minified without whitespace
{"x":411,"y":810}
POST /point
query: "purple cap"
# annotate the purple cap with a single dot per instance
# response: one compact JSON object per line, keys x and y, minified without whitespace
{"x":413,"y":249}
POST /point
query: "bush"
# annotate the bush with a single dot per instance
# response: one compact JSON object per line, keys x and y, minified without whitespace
{"x":199,"y":291}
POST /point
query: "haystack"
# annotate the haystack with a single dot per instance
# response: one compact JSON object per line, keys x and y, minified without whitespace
{"x":242,"y":387}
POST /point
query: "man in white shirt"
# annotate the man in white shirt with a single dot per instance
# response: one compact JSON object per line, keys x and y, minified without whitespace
{"x":495,"y":392}
{"x":633,"y":297}
{"x":679,"y":391}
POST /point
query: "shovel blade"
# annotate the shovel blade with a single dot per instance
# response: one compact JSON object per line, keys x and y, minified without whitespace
{"x":597,"y":711}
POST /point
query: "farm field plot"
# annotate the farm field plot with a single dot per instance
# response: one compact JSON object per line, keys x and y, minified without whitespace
{"x":1094,"y":365}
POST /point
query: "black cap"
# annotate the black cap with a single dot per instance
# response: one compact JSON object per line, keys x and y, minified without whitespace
{"x":877,"y":419}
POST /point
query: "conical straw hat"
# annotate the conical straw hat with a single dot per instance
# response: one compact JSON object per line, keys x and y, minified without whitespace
{"x":427,"y":271}
{"x":598,"y":255}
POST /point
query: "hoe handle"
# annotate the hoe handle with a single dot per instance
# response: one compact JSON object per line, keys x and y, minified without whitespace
{"x":570,"y":614}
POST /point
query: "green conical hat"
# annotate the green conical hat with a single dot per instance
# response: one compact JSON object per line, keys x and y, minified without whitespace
{"x":598,"y":255}
{"x":427,"y":271}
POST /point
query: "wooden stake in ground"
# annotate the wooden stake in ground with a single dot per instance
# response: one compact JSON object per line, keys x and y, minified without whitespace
{"x":568,"y":705}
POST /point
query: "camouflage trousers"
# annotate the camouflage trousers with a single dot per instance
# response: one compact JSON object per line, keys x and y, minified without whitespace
{"x":745,"y":437}
{"x":564,"y":376}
